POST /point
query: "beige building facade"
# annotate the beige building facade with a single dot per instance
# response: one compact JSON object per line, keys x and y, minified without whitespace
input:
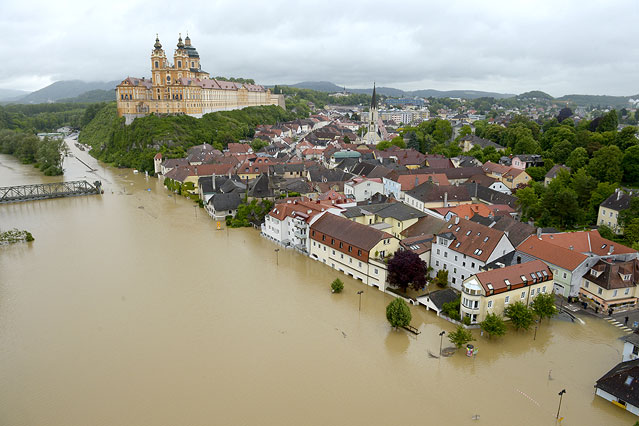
{"x":492,"y":291}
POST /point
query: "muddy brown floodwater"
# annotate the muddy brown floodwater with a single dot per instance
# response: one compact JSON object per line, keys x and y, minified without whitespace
{"x":128,"y":309}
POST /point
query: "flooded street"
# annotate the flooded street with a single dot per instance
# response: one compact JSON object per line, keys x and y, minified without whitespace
{"x":130,"y":308}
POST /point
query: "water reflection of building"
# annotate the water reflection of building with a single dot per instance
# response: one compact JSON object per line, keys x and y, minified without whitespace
{"x":185,"y":88}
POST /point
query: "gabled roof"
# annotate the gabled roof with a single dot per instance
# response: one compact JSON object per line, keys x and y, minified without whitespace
{"x":612,"y":273}
{"x":618,"y":201}
{"x":223,"y":202}
{"x":428,"y":192}
{"x":353,"y":233}
{"x":552,"y":253}
{"x":622,"y":382}
{"x":490,"y":167}
{"x":483,"y":143}
{"x":426,"y":225}
{"x":490,"y":196}
{"x":472,"y":239}
{"x":409,"y":182}
{"x":552,"y":173}
{"x":587,"y":242}
{"x":419,"y":244}
{"x":499,"y":280}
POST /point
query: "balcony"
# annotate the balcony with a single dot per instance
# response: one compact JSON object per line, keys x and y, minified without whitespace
{"x":299,"y":234}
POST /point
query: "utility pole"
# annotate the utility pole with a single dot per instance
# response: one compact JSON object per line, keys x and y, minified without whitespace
{"x":441,"y":341}
{"x":360,"y":299}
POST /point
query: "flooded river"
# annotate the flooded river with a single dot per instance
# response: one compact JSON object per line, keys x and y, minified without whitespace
{"x":130,"y":308}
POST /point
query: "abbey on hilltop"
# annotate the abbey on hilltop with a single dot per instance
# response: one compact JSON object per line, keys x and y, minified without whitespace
{"x":184,"y":88}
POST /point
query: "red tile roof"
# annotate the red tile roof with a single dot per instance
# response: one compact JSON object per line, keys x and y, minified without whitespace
{"x":534,"y":272}
{"x":472,"y":239}
{"x":409,"y":182}
{"x":586,"y":242}
{"x":552,"y":253}
{"x":353,"y":233}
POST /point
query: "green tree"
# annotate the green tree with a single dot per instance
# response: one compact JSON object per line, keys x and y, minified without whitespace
{"x":583,"y":184}
{"x":528,"y":200}
{"x":443,"y":131}
{"x":605,"y":165}
{"x":608,"y":122}
{"x":626,"y":138}
{"x":398,"y":141}
{"x":494,"y":325}
{"x":383,"y":145}
{"x":398,"y":313}
{"x":630,"y":165}
{"x":543,"y":305}
{"x":441,"y":279}
{"x":460,"y":337}
{"x":577,"y":159}
{"x":520,"y":315}
{"x":560,"y":206}
{"x":337,"y":286}
{"x":561,"y":151}
{"x":258,"y":144}
{"x":631,"y":231}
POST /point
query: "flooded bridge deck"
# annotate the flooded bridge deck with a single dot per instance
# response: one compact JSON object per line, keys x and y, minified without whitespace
{"x":41,"y":191}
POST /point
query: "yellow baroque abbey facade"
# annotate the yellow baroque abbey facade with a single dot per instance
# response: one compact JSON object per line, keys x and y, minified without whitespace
{"x":184,"y":88}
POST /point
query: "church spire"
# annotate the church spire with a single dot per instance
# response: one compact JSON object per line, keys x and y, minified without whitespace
{"x":374,"y":98}
{"x":157,"y":44}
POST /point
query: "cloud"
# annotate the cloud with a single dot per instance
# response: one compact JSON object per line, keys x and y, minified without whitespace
{"x":557,"y":46}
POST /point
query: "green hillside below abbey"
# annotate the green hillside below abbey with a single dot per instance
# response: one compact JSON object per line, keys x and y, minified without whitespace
{"x":135,"y":145}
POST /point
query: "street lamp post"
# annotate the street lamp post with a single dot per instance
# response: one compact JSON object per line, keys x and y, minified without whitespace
{"x":360,"y":299}
{"x":561,"y":395}
{"x":535,"y":336}
{"x":441,"y":341}
{"x":277,"y":257}
{"x":195,"y":207}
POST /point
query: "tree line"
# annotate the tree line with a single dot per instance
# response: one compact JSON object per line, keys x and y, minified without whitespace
{"x":46,"y":154}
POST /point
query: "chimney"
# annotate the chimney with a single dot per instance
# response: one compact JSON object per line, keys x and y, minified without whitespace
{"x":416,"y":181}
{"x":213,"y":178}
{"x":456,"y":220}
{"x":445,"y":199}
{"x":195,"y":170}
{"x":618,"y":195}
{"x":571,"y":248}
{"x":539,"y":233}
{"x":612,"y":249}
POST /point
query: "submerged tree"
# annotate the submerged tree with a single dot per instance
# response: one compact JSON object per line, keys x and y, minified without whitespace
{"x":520,"y":315}
{"x":544,"y":305}
{"x":398,"y":313}
{"x":494,"y":325}
{"x":460,"y":336}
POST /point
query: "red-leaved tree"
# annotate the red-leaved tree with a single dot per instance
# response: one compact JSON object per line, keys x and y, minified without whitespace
{"x":406,"y":269}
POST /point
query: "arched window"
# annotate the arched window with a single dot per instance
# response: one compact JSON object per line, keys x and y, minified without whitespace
{"x":157,"y":64}
{"x":179,"y":64}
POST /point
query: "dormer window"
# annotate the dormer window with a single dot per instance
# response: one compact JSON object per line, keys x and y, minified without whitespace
{"x":468,"y":233}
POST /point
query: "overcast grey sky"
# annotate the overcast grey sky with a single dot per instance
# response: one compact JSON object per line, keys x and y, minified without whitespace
{"x":559,"y":46}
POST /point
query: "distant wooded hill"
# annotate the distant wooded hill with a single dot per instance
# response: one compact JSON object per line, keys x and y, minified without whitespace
{"x":68,"y":91}
{"x":578,"y":100}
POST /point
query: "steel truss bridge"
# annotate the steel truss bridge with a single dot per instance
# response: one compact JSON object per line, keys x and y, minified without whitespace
{"x":12,"y":194}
